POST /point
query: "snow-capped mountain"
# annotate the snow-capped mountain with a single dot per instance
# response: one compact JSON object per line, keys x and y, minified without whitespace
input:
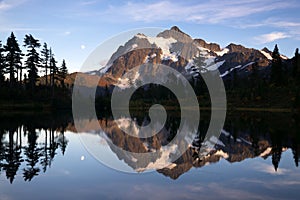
{"x":178,"y":50}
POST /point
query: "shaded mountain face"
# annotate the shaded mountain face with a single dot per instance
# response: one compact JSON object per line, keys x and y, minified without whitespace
{"x":178,"y":50}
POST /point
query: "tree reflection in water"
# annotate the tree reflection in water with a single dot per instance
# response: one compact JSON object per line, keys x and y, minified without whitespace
{"x":22,"y":145}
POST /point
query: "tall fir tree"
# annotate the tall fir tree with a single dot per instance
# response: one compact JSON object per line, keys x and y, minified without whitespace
{"x":13,"y":57}
{"x":2,"y":65}
{"x":33,"y":59}
{"x":53,"y":70}
{"x":45,"y":53}
{"x":63,"y":71}
{"x":276,"y":70}
{"x":296,"y":64}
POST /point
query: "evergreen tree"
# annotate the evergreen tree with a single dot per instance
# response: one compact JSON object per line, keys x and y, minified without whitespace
{"x":2,"y":65}
{"x":13,"y":57}
{"x":45,"y":60}
{"x":296,"y":64}
{"x":63,"y":71}
{"x":53,"y":70}
{"x":200,"y":63}
{"x":295,"y":154}
{"x":276,"y":156}
{"x":254,"y":77}
{"x":276,"y":70}
{"x":33,"y":59}
{"x":234,"y":82}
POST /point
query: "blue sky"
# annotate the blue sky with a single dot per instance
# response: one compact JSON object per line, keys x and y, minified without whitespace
{"x":74,"y":28}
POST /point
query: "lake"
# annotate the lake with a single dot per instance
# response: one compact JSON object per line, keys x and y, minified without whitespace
{"x":42,"y":156}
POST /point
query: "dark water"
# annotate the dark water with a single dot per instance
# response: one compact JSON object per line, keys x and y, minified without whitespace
{"x":43,"y":157}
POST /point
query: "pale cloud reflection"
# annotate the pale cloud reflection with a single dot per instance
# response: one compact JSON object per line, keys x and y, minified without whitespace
{"x":190,"y":191}
{"x":269,"y":169}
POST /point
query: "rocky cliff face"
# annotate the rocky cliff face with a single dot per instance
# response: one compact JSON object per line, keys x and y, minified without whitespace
{"x":210,"y":46}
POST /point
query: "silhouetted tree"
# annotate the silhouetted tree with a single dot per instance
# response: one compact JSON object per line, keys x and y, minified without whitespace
{"x":296,"y":64}
{"x":62,"y":141}
{"x":33,"y":154}
{"x":296,"y":154}
{"x":45,"y":53}
{"x":2,"y":64}
{"x":2,"y":149}
{"x":63,"y":71}
{"x":276,"y":156}
{"x":234,"y":82}
{"x":53,"y":146}
{"x":276,"y":70}
{"x":33,"y":59}
{"x":13,"y":157}
{"x":45,"y":156}
{"x":53,"y":70}
{"x":13,"y":57}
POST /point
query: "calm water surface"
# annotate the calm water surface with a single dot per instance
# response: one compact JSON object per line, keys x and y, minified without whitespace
{"x":43,"y":157}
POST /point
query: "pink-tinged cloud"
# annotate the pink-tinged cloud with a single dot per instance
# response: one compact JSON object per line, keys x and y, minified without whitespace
{"x":271,"y":37}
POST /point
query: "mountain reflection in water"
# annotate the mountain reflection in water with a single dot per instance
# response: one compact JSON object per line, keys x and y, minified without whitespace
{"x":245,"y":135}
{"x":29,"y":144}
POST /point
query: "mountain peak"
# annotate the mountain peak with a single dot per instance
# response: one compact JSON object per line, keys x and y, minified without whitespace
{"x":175,"y":28}
{"x":265,"y":49}
{"x":237,"y":48}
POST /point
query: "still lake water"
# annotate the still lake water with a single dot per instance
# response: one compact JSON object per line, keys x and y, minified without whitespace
{"x":43,"y":157}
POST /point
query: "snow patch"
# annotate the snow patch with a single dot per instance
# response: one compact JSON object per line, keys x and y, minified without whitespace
{"x":153,"y":55}
{"x":236,"y":67}
{"x":250,"y":63}
{"x":266,"y":152}
{"x":133,"y":159}
{"x":222,"y":154}
{"x":134,"y":46}
{"x":283,"y":57}
{"x":202,"y":49}
{"x":225,"y":133}
{"x":224,"y":74}
{"x":246,"y":141}
{"x":171,"y":166}
{"x":164,"y":44}
{"x":163,"y":161}
{"x":221,"y":53}
{"x":104,"y":69}
{"x":215,"y":66}
{"x":267,"y":55}
{"x":129,"y":81}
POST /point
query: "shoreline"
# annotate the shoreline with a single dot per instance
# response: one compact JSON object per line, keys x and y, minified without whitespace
{"x":48,"y":108}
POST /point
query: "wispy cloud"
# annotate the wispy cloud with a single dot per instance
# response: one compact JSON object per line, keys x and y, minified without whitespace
{"x":5,"y":22}
{"x":271,"y":37}
{"x":87,"y":3}
{"x":208,"y":12}
{"x":8,"y":4}
{"x":290,"y":27}
{"x":271,"y":22}
{"x":8,"y":28}
{"x":66,"y":33}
